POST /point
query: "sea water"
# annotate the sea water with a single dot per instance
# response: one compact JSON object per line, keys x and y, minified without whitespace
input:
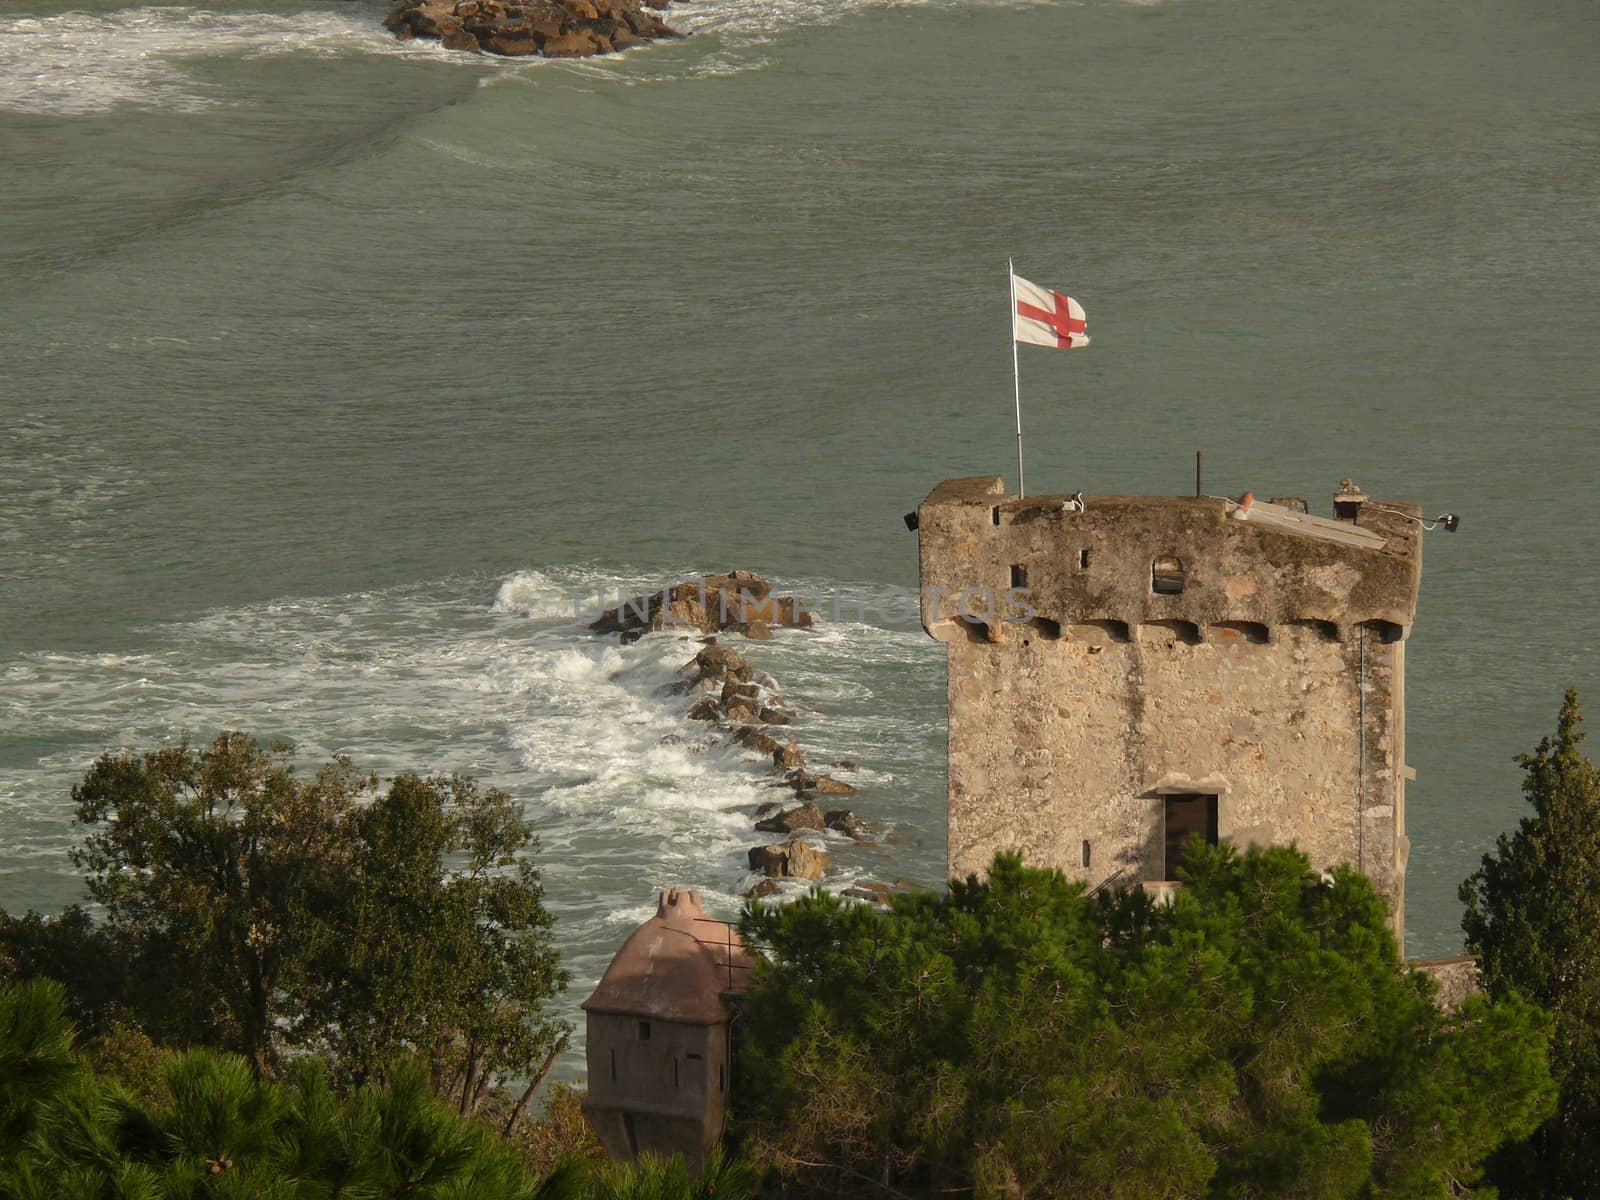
{"x":333,"y":368}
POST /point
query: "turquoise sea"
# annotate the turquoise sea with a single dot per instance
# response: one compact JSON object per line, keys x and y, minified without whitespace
{"x":331,"y":368}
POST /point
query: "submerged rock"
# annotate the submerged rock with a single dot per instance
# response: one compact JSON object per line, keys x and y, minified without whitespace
{"x":873,"y":893}
{"x":827,"y":785}
{"x":549,"y":28}
{"x":843,"y":820}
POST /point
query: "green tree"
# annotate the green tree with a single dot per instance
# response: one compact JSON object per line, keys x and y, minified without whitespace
{"x":1258,"y":1037}
{"x":444,"y":944}
{"x":72,"y":949}
{"x":251,"y":910}
{"x":650,"y":1177}
{"x":36,"y":1056}
{"x":215,"y":1130}
{"x":1533,"y":917}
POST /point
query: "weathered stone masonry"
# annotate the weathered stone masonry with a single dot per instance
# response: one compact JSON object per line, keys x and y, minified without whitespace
{"x":1132,"y":669}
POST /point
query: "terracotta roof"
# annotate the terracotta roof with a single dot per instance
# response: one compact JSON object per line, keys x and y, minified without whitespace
{"x":675,"y":967}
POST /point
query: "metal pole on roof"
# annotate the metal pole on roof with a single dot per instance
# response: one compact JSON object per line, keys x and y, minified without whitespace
{"x":1016,"y":375}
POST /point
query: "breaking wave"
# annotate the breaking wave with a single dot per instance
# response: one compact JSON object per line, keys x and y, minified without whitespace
{"x":490,"y":676}
{"x":77,"y":63}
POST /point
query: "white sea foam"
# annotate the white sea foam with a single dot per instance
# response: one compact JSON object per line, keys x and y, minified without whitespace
{"x":533,"y":594}
{"x":78,"y":63}
{"x":745,"y":18}
{"x":490,"y":677}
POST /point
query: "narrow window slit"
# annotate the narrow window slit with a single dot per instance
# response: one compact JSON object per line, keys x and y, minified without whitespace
{"x":1166,"y":577}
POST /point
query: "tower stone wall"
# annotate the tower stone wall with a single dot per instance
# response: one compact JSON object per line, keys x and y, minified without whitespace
{"x":1124,"y":671}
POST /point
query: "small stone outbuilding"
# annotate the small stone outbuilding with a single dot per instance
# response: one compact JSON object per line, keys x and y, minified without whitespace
{"x":659,"y":1027}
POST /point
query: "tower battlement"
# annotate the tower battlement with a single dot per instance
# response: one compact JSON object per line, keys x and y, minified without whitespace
{"x":1126,"y":672}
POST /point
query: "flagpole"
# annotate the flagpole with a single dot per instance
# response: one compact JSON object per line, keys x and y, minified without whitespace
{"x":1016,"y":374}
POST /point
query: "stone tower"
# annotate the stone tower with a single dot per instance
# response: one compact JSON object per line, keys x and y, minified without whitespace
{"x":1126,"y":672}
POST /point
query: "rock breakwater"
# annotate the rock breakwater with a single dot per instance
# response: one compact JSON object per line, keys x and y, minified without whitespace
{"x":738,"y":602}
{"x":747,"y":702}
{"x":748,"y":707}
{"x":547,"y":28}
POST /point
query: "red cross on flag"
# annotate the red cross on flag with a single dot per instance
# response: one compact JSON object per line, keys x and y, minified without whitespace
{"x":1046,"y":318}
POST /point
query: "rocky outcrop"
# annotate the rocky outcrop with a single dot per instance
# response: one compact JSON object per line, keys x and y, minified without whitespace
{"x":804,"y":782}
{"x":731,"y":693}
{"x":792,"y":820}
{"x":549,"y":28}
{"x":793,"y":859}
{"x":738,"y":602}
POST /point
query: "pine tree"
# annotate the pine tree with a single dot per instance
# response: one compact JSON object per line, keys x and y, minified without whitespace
{"x":1259,"y":1036}
{"x":216,"y":1130}
{"x":36,"y":1056}
{"x":1533,"y":915}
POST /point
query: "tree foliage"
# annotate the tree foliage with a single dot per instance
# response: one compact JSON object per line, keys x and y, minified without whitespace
{"x":1533,"y":915}
{"x":72,"y":949}
{"x":1018,"y":1037}
{"x":252,"y":910}
{"x":216,"y":1130}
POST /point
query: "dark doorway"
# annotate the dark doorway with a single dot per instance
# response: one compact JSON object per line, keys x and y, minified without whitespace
{"x":1188,"y":815}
